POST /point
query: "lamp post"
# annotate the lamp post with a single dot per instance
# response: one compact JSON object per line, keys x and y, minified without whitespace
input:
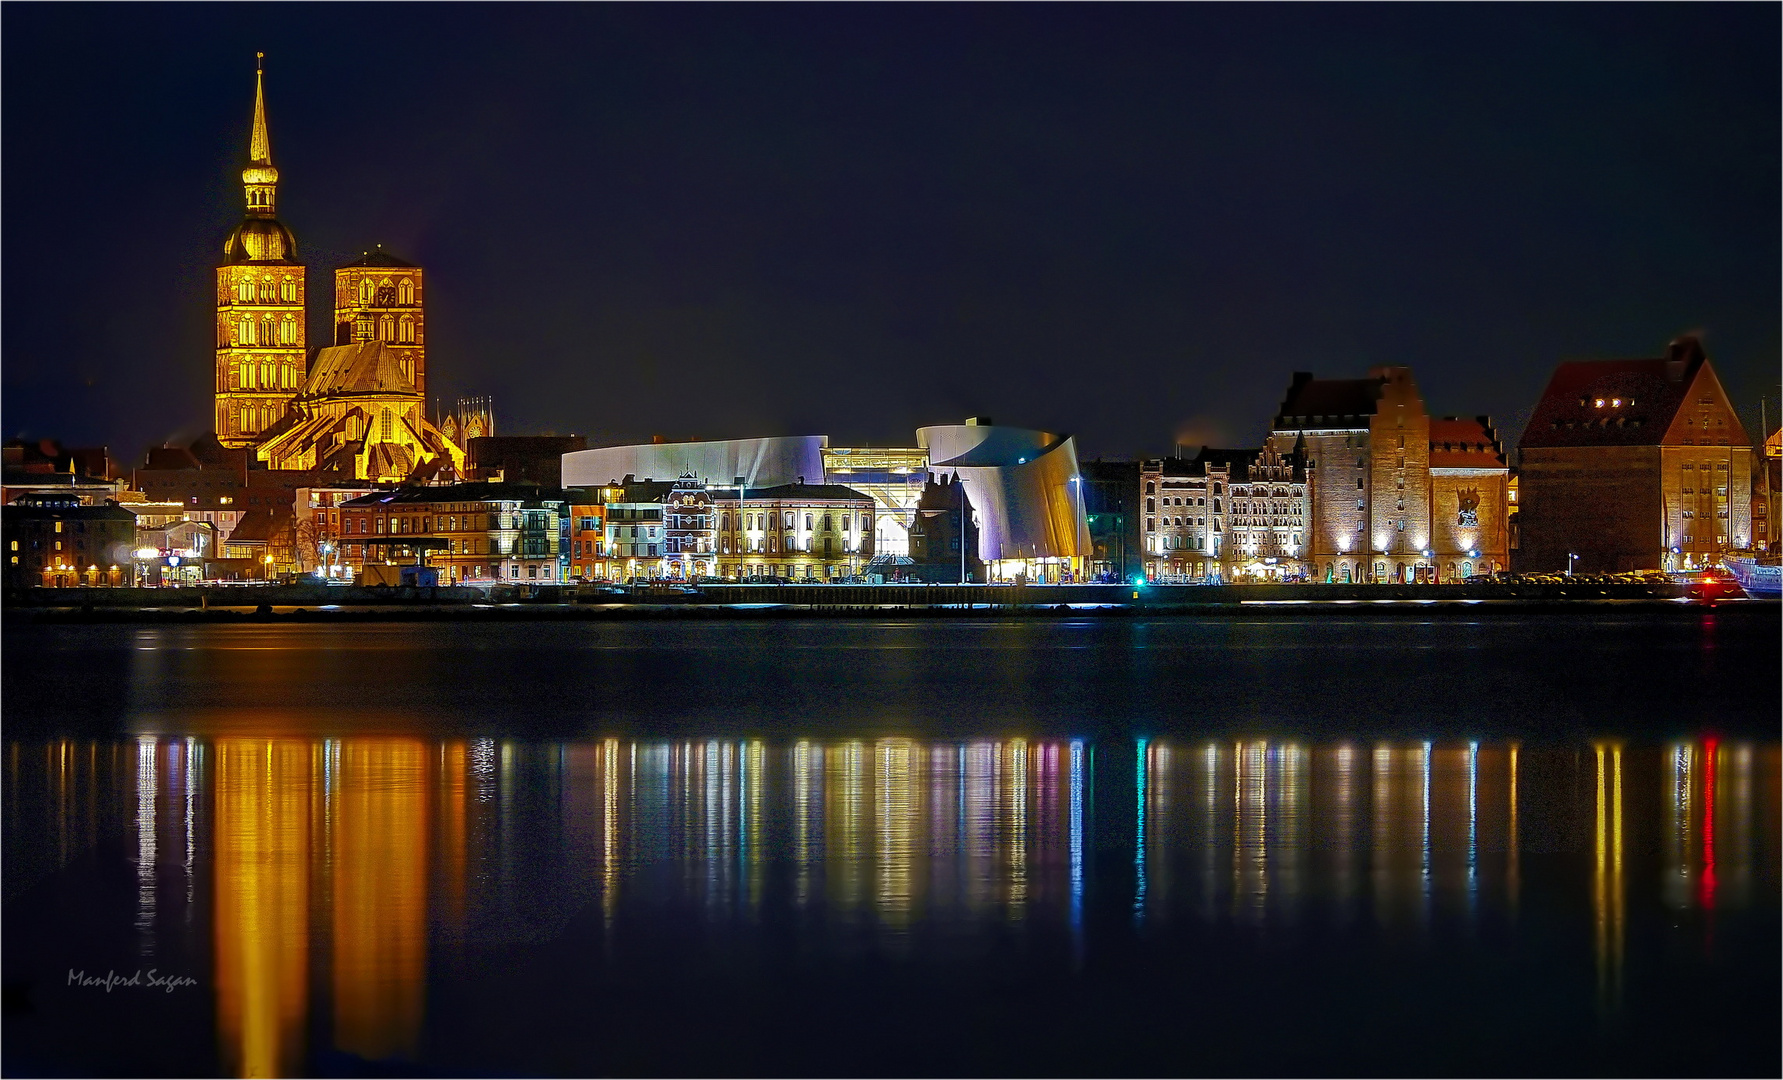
{"x":960,"y":494}
{"x":1570,"y":558}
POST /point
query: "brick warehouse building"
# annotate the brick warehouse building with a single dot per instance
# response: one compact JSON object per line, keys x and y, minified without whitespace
{"x":1368,"y":441}
{"x":1634,"y":465}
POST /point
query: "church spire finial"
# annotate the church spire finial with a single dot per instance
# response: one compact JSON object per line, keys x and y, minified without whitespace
{"x":260,"y":179}
{"x":260,"y":151}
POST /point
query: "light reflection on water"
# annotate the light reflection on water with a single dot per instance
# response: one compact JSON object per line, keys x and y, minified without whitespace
{"x":337,"y":867}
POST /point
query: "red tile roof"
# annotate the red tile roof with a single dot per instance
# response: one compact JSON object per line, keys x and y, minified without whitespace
{"x":1639,"y":399}
{"x":1465,"y":442}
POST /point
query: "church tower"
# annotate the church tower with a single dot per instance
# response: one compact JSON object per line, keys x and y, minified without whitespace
{"x":260,"y":303}
{"x":378,"y":298}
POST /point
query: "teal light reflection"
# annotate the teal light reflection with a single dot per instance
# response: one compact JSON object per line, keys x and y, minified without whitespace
{"x":1139,"y":780}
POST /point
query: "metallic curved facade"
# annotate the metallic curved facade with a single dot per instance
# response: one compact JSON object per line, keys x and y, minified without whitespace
{"x":766,"y":462}
{"x":1024,"y":484}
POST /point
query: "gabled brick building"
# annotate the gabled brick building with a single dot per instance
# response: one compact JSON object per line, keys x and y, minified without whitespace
{"x":1634,"y":465}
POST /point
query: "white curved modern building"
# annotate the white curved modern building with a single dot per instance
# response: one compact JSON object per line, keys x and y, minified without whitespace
{"x":1027,"y":492}
{"x":758,"y":463}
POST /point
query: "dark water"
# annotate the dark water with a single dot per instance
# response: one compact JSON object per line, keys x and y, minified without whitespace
{"x":1493,"y":844}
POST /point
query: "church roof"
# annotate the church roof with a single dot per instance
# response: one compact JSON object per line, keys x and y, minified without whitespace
{"x":378,"y":258}
{"x":364,"y":368}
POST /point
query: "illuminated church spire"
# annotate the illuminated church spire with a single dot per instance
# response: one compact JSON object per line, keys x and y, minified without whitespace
{"x":260,"y":303}
{"x":260,"y":179}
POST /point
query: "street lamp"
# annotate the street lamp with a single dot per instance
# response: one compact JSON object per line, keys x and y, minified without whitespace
{"x":961,"y":512}
{"x":1570,"y":558}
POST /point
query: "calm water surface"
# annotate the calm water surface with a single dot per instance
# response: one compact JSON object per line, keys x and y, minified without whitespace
{"x":1379,"y":845}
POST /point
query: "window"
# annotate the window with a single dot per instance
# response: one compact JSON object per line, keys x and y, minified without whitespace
{"x":1358,"y":483}
{"x":405,"y":292}
{"x":366,"y":291}
{"x":405,"y":331}
{"x":826,"y":523}
{"x":288,"y":291}
{"x":385,"y":424}
{"x":807,"y":522}
{"x":387,"y":328}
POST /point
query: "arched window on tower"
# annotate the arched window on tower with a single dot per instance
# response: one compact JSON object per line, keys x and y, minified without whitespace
{"x":405,"y":292}
{"x":244,"y":291}
{"x":387,"y":328}
{"x":246,"y":331}
{"x":366,"y":289}
{"x":405,"y":331}
{"x":385,"y":425}
{"x":288,"y":290}
{"x":269,"y":333}
{"x":266,"y":290}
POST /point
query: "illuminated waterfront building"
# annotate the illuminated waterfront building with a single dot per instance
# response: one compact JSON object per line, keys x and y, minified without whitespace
{"x":55,"y":540}
{"x":1026,"y":489}
{"x":1634,"y":465}
{"x":469,"y":532}
{"x":588,"y":531}
{"x":1469,"y":498}
{"x":689,"y":530}
{"x":260,"y":303}
{"x":1183,"y":504}
{"x":1226,"y":515}
{"x":893,"y":476}
{"x":801,"y":532}
{"x":1368,"y":443}
{"x":685,"y":530}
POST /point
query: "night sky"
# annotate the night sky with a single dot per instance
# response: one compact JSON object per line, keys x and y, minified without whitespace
{"x":1130,"y":223}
